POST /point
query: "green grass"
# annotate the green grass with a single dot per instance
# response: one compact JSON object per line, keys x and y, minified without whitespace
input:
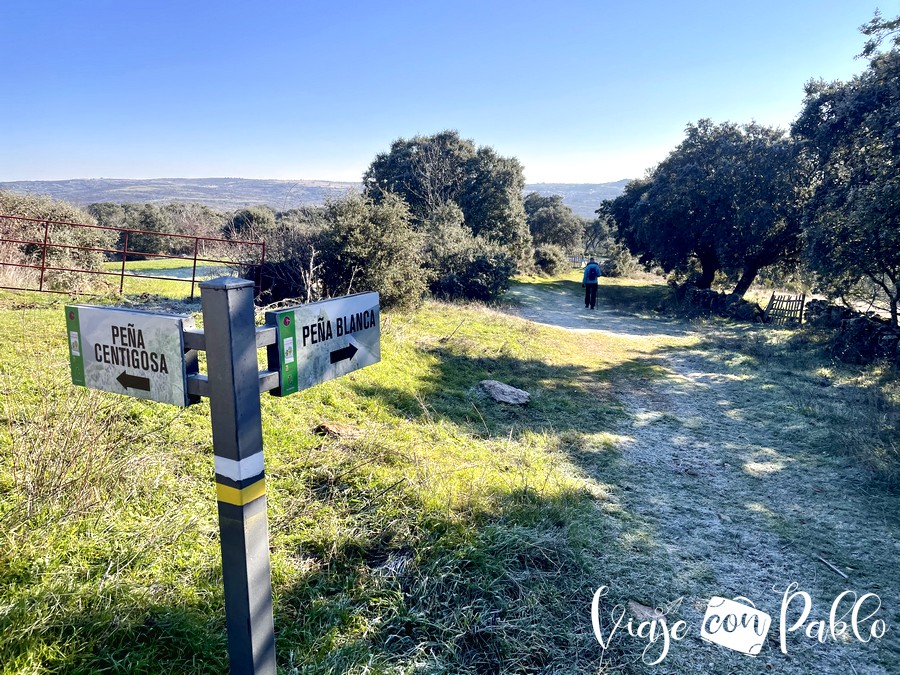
{"x":440,"y":532}
{"x":449,"y":532}
{"x":848,"y":410}
{"x":175,"y":281}
{"x":171,"y":279}
{"x":637,"y":296}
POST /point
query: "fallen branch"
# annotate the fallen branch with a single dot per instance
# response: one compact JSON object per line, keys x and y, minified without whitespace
{"x":833,"y":568}
{"x":447,"y":338}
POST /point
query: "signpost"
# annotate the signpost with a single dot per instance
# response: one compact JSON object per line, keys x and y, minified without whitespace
{"x":324,"y":340}
{"x":154,"y":356}
{"x":129,"y":352}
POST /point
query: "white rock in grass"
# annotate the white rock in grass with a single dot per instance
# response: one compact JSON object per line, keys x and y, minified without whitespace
{"x":504,"y":393}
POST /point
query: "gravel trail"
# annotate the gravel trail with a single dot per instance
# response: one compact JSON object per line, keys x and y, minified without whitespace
{"x":723,"y":472}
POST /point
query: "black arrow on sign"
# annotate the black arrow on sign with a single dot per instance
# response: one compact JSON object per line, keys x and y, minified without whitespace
{"x":133,"y":381}
{"x":343,"y":353}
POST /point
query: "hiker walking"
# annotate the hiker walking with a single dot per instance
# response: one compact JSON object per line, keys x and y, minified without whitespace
{"x":589,"y":283}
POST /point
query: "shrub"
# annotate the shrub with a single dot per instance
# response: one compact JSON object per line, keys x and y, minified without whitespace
{"x":194,"y":220}
{"x":253,"y":223}
{"x":68,"y":453}
{"x":356,"y":244}
{"x":461,"y":265}
{"x":371,"y":247}
{"x":620,"y":262}
{"x":294,"y":258}
{"x":191,"y":220}
{"x":480,"y":273}
{"x":351,"y":245}
{"x":150,"y":218}
{"x":550,"y":259}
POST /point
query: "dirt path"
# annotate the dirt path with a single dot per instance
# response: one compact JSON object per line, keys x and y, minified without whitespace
{"x":729,"y":493}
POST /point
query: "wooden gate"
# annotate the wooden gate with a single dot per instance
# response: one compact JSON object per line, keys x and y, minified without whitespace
{"x":784,"y":309}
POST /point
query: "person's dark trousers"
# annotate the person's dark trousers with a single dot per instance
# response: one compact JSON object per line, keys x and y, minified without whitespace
{"x":590,"y":295}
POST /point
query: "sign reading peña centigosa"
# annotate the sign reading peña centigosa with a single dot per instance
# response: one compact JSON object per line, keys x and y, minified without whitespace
{"x":324,"y":340}
{"x":126,"y":351}
{"x":143,"y":354}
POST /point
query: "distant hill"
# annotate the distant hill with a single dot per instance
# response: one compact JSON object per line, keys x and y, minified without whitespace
{"x":582,"y":198}
{"x":225,"y":194}
{"x":228,"y":194}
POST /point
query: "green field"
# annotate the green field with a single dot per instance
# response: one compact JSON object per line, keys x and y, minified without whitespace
{"x":172,"y":278}
{"x":433,"y":530}
{"x":442,"y":529}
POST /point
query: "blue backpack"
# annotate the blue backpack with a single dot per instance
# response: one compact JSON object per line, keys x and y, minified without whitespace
{"x":593,"y":272}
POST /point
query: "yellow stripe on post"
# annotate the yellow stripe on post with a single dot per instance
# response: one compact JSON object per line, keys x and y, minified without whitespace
{"x":232,"y":495}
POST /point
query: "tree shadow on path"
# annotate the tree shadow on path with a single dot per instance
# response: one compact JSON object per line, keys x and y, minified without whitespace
{"x":734,"y":483}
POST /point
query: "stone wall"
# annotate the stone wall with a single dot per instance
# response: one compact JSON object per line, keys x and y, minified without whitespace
{"x":858,"y":338}
{"x":705,"y":301}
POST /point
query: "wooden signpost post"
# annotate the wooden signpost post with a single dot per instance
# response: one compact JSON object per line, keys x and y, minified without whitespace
{"x":154,"y":356}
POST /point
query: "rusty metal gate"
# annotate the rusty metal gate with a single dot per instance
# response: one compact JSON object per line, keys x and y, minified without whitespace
{"x":35,"y":255}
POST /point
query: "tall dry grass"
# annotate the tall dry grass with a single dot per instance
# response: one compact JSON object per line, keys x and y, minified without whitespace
{"x":69,"y":450}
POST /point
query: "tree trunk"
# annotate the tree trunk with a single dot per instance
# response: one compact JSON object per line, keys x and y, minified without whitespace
{"x":709,"y":264}
{"x":747,"y":277}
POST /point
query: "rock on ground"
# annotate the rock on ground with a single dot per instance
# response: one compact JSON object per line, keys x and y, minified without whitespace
{"x":505,"y":393}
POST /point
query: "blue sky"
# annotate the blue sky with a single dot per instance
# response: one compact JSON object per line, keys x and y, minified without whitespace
{"x":578,"y":91}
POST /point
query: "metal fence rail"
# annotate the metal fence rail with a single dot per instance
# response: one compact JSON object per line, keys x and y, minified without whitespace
{"x":37,"y":255}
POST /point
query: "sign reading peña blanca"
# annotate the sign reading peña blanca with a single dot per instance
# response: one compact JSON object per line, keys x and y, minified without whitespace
{"x":324,"y":340}
{"x":143,"y":355}
{"x":130,"y":352}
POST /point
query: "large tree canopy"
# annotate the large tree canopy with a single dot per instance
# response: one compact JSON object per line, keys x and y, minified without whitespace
{"x":724,"y":199}
{"x":430,"y":172}
{"x":765,"y":228}
{"x":552,"y":222}
{"x":851,"y":131}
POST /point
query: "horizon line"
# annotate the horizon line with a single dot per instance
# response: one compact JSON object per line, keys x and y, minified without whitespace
{"x":272,"y":180}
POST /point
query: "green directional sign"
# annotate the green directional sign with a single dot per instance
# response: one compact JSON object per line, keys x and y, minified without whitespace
{"x":324,"y":340}
{"x":125,"y":351}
